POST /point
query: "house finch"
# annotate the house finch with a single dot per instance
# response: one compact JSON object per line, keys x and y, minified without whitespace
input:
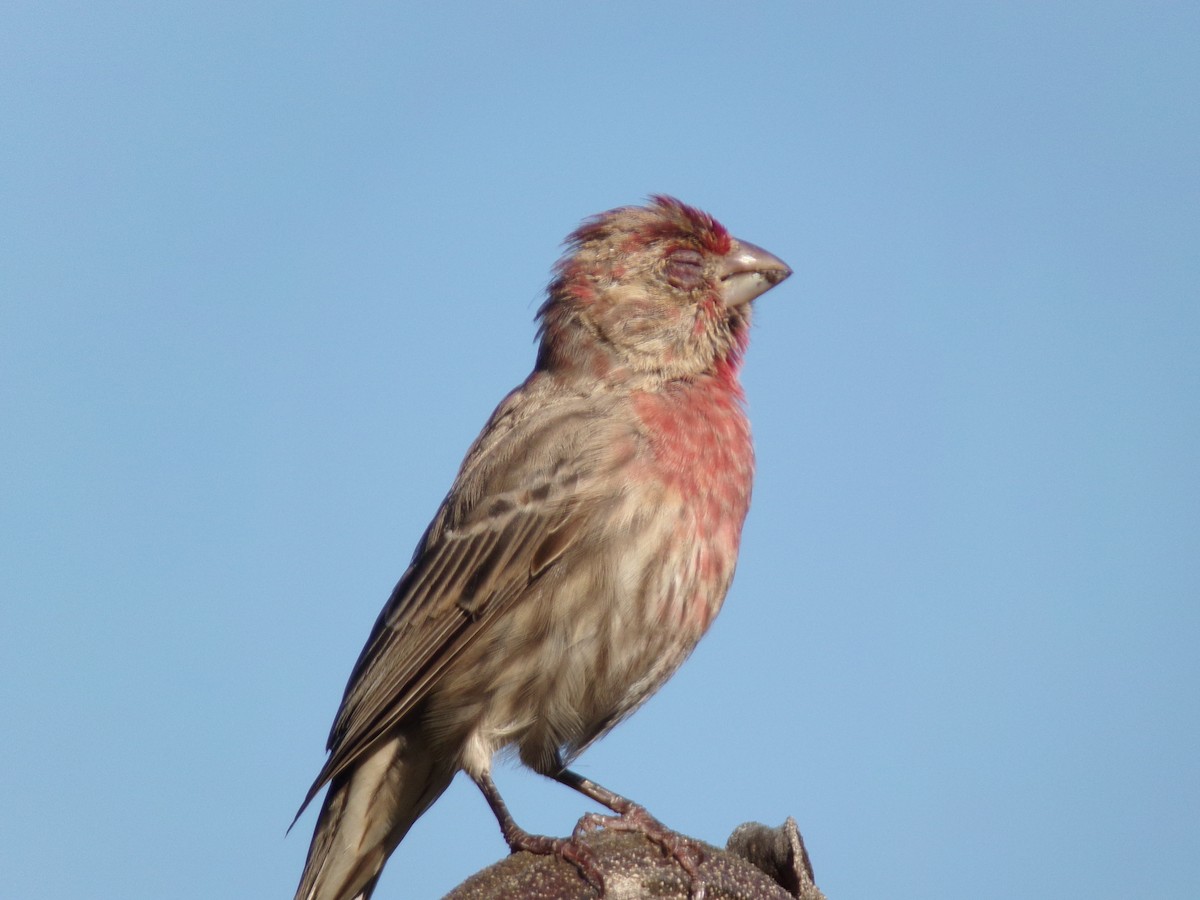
{"x":582,"y":551}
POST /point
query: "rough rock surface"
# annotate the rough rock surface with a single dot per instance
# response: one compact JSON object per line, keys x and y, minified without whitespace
{"x":759,"y":863}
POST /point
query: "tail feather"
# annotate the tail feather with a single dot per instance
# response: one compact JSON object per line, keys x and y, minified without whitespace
{"x":367,"y":811}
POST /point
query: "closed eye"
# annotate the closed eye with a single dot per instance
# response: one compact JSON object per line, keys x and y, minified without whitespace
{"x":685,"y":268}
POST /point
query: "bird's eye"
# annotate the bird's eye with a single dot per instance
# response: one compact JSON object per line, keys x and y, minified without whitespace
{"x":685,"y":268}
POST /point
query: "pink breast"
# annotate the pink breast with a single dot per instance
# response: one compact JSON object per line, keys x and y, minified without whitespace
{"x":702,"y":454}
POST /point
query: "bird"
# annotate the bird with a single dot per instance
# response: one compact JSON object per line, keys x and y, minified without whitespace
{"x":584,"y":548}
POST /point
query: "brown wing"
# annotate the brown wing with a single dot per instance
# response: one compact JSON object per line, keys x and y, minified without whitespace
{"x":478,"y":557}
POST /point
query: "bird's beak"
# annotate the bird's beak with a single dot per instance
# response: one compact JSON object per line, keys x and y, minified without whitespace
{"x":749,"y":271}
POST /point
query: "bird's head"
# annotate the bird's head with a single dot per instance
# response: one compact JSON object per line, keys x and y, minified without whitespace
{"x":660,"y":291}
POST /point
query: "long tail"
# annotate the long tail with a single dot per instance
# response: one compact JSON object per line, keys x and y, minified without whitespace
{"x":367,"y":811}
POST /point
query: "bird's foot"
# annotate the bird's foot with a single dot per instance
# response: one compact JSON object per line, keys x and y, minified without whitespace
{"x":518,"y":839}
{"x":570,"y":849}
{"x":685,"y":851}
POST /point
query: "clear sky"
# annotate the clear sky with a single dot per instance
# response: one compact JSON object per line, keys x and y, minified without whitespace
{"x":265,"y":268}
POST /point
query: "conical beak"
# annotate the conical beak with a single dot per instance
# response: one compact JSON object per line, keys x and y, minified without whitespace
{"x":749,"y":271}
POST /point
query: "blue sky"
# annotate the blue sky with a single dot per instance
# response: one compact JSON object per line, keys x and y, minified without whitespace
{"x":265,"y":269}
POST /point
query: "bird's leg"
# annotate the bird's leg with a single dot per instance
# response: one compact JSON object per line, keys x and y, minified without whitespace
{"x":632,"y":816}
{"x":519,"y":839}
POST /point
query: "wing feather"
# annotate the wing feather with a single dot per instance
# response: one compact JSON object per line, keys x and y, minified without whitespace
{"x":476,"y":560}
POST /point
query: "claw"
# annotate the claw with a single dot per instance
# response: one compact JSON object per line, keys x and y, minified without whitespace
{"x":683,"y":850}
{"x":570,"y":849}
{"x":630,"y":816}
{"x":518,"y":839}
